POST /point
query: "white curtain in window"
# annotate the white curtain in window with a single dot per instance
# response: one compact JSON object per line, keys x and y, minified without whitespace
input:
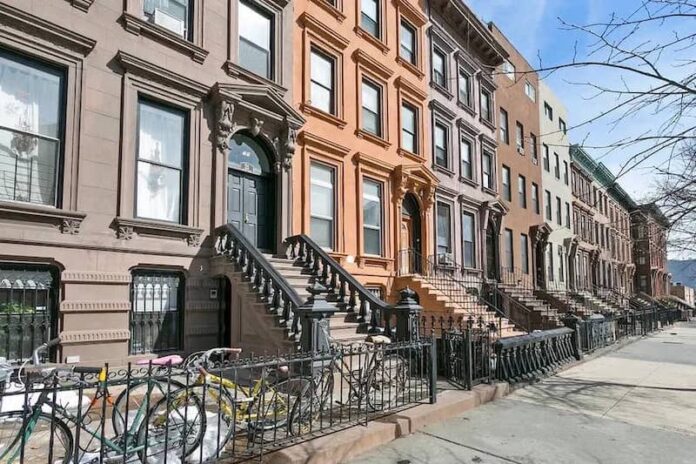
{"x":29,"y":104}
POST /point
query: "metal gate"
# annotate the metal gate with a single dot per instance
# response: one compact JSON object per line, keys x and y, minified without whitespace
{"x":28,"y":308}
{"x":467,"y":356}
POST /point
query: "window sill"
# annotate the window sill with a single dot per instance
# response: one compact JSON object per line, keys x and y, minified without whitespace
{"x":234,"y":70}
{"x":374,"y":261}
{"x":332,"y":10}
{"x":363,"y":134}
{"x":469,"y":181}
{"x":409,"y":154}
{"x":468,"y":108}
{"x":448,"y":172}
{"x":411,"y":67}
{"x":490,"y":191}
{"x":126,"y":229}
{"x":82,"y":4}
{"x":68,"y":222}
{"x":487,"y":123}
{"x":138,"y":26}
{"x":443,"y":90}
{"x":362,"y":33}
{"x":323,"y":115}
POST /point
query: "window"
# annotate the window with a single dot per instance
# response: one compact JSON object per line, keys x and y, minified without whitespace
{"x":559,"y":212}
{"x":509,"y":256}
{"x":465,"y":153}
{"x":439,"y":68}
{"x":524,"y":253}
{"x":157,"y":307}
{"x":322,"y":205}
{"x":548,"y":206}
{"x":441,"y":146}
{"x":255,"y":40}
{"x":464,"y":88}
{"x":370,"y":17}
{"x":487,"y":170}
{"x":371,"y":108}
{"x":504,"y":132}
{"x":556,"y":166}
{"x":444,"y":229}
{"x":407,"y":49}
{"x":372,"y":217}
{"x":562,"y":126}
{"x":31,"y":126}
{"x":535,"y":197}
{"x":565,"y":172}
{"x":548,"y":111}
{"x":322,"y":82}
{"x":519,"y":136}
{"x":509,"y":69}
{"x":507,"y":190}
{"x":546,"y":157}
{"x":567,"y":211}
{"x":522,"y":191}
{"x":549,"y":264}
{"x":409,"y":124}
{"x":486,"y":105}
{"x":160,"y":162}
{"x":173,"y":15}
{"x":561,"y":270}
{"x":468,"y":233}
{"x":533,"y":148}
{"x":530,"y":91}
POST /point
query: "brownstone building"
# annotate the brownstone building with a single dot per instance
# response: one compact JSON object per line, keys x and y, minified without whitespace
{"x":649,"y":229}
{"x":523,"y":228}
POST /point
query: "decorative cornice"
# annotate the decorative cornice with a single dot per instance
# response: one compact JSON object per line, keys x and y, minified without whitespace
{"x":126,"y":229}
{"x":95,"y":306}
{"x":375,"y":67}
{"x":82,"y":4}
{"x":323,"y":145}
{"x":411,"y":12}
{"x":56,"y":35}
{"x":140,"y":67}
{"x":67,"y":221}
{"x":376,"y":139}
{"x":332,"y":10}
{"x":95,"y":277}
{"x":234,"y":70}
{"x":377,"y":163}
{"x":138,"y":26}
{"x":75,"y":337}
{"x":441,"y":110}
{"x":321,"y":30}
{"x":409,"y":88}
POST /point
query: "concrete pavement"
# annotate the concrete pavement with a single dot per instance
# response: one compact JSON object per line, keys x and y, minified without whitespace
{"x":634,"y":405}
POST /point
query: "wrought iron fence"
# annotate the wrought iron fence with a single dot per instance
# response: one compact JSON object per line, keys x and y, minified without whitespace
{"x":210,"y":407}
{"x":28,"y":300}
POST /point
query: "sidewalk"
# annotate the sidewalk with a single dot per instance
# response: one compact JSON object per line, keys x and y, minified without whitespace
{"x":634,"y":405}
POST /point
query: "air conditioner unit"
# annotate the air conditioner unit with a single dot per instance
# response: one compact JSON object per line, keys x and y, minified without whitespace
{"x":169,"y":22}
{"x":446,"y":259}
{"x":520,"y":150}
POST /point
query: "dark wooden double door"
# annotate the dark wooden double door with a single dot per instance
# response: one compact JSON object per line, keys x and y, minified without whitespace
{"x":251,"y":206}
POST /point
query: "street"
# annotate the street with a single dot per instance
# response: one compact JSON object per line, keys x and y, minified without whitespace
{"x":634,"y":405}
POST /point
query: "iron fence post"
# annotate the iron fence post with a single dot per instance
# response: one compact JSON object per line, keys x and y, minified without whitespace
{"x":433,"y":368}
{"x":468,"y":359}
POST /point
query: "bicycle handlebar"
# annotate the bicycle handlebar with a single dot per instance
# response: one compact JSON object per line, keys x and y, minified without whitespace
{"x":41,"y":348}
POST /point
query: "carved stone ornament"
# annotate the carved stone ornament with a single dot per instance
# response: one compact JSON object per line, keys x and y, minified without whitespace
{"x":224,"y":112}
{"x":124,"y":232}
{"x":193,"y":240}
{"x":288,"y":142}
{"x":255,"y":125}
{"x":70,"y":226}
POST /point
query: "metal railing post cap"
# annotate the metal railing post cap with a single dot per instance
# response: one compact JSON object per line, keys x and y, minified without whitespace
{"x":316,"y":305}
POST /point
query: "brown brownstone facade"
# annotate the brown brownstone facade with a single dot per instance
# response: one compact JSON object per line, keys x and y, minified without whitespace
{"x":649,"y":229}
{"x":519,"y":170}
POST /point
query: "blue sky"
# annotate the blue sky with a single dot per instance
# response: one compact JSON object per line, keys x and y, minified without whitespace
{"x":535,"y":29}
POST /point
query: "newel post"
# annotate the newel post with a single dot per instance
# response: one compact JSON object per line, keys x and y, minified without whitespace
{"x":315,"y":314}
{"x":573,"y":322}
{"x":408,"y":313}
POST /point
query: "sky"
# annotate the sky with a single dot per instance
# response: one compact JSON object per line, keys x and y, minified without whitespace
{"x":535,"y":29}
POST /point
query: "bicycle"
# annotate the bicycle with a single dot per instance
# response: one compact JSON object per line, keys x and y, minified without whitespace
{"x":43,"y":430}
{"x":377,"y":383}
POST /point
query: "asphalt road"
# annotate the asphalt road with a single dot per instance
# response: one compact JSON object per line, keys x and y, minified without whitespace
{"x":633,"y":405}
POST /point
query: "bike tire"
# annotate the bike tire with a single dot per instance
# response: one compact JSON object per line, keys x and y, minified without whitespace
{"x":305,"y":413}
{"x":35,"y":444}
{"x":130,"y":394}
{"x":386,"y":383}
{"x":168,"y":412}
{"x":271,"y":410}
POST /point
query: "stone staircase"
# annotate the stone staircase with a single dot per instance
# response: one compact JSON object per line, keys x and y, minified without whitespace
{"x":563,"y":302}
{"x":594,"y":303}
{"x":544,"y":315}
{"x":450,"y":299}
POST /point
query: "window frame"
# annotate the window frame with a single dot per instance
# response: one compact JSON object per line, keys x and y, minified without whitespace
{"x":273,"y":36}
{"x":450,"y":235}
{"x":441,"y":125}
{"x":378,"y":21}
{"x":506,"y":186}
{"x":380,"y":228}
{"x":547,"y":157}
{"x":405,"y":24}
{"x":486,"y":110}
{"x":504,"y":128}
{"x":485,"y":154}
{"x":380,"y":104}
{"x":472,"y":167}
{"x":519,"y":135}
{"x":559,"y":211}
{"x":314,"y":49}
{"x":548,"y":206}
{"x":509,"y":248}
{"x":462,"y":73}
{"x":524,"y":252}
{"x":189,"y":21}
{"x":522,"y":190}
{"x":535,"y":198}
{"x":473,"y":264}
{"x":334,"y":176}
{"x":416,"y":124}
{"x":438,"y":51}
{"x":185,"y":157}
{"x":548,"y":111}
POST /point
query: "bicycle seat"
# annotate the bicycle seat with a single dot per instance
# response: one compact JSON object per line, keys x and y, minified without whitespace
{"x":380,"y":340}
{"x":171,"y":360}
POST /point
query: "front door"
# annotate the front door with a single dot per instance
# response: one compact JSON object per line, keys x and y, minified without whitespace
{"x":408,"y":257}
{"x":250,"y":206}
{"x":540,"y":263}
{"x":491,"y":253}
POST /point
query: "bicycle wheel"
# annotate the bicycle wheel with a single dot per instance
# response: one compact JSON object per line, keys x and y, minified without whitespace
{"x":271,"y":409}
{"x":50,"y":440}
{"x":222,"y":419}
{"x":173,"y":429}
{"x":312,"y":410}
{"x":386,"y":382}
{"x":134,"y":396}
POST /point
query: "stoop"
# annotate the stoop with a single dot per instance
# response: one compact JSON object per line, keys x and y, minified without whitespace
{"x":349,"y":443}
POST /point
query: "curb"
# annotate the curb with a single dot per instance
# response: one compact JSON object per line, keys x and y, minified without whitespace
{"x":349,"y":443}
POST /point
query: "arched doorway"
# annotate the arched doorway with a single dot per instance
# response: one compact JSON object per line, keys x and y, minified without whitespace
{"x":250,"y":190}
{"x":411,"y":251}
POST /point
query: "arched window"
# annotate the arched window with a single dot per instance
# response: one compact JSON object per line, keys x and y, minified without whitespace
{"x":248,"y":155}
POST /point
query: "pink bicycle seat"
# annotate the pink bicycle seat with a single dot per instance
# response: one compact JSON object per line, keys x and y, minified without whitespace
{"x":171,"y":360}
